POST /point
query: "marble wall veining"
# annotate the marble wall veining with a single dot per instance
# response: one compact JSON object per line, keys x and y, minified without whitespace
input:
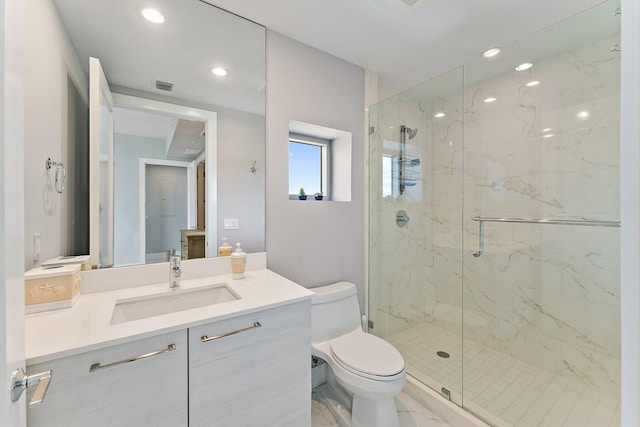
{"x":545,"y":294}
{"x":550,"y":293}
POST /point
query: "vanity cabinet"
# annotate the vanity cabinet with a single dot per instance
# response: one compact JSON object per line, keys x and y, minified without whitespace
{"x":252,"y":370}
{"x":248,"y":370}
{"x":148,"y":388}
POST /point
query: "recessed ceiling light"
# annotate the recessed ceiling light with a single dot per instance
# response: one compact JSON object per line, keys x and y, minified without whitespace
{"x":549,"y":135}
{"x":583,"y":115}
{"x":533,"y":83}
{"x":490,"y":99}
{"x":153,"y":16}
{"x":440,"y":114}
{"x":524,"y":66}
{"x":546,"y":129}
{"x":491,"y":52}
{"x":220,"y":72}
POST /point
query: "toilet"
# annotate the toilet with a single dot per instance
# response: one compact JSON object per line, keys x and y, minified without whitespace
{"x":364,"y":371}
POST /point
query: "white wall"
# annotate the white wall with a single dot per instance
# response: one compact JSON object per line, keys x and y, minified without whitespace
{"x":313,"y":243}
{"x":630,"y":212}
{"x":48,"y":59}
{"x":11,"y":205}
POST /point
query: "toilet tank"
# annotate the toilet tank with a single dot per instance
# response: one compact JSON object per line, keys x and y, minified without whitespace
{"x":334,"y":311}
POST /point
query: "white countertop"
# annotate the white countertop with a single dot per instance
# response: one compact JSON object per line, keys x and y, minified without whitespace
{"x":86,"y":326}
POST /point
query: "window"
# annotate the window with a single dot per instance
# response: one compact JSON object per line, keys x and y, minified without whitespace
{"x":387,"y":175}
{"x":308,"y":165}
{"x":319,"y":161}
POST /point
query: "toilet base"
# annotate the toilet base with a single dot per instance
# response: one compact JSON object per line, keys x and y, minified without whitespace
{"x":365,"y":412}
{"x":369,"y":413}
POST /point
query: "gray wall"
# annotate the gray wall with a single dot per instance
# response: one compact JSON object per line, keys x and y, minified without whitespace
{"x":46,"y":44}
{"x":127,"y":153}
{"x":166,"y":207}
{"x":313,"y":243}
{"x":240,"y":192}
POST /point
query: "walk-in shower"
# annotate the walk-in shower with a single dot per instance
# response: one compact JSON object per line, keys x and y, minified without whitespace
{"x":502,"y":291}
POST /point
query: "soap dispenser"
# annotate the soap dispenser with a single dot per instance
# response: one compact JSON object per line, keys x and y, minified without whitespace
{"x":225,"y":249}
{"x":238,"y":262}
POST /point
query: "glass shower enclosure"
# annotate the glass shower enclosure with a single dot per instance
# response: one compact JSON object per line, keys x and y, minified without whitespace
{"x":493,"y":228}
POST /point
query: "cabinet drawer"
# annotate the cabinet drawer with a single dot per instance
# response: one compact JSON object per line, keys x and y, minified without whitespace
{"x":148,"y":391}
{"x":258,"y":376}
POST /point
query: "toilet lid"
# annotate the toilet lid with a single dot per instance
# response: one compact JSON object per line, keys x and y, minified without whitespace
{"x":368,"y":354}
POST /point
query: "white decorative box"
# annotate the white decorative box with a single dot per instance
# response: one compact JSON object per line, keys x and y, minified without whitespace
{"x":51,"y":288}
{"x":83,"y":260}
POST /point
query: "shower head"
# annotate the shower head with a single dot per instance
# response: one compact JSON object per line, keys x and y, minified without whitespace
{"x":411,"y":132}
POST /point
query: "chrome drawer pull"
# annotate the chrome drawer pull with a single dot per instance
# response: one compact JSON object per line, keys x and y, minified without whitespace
{"x":97,"y":366}
{"x":205,"y":338}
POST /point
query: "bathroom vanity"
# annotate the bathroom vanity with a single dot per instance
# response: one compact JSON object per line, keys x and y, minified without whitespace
{"x":239,"y":362}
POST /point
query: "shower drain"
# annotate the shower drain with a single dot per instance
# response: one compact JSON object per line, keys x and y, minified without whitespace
{"x":443,"y":354}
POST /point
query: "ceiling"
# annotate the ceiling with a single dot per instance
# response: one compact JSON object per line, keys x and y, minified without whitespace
{"x":181,"y":139}
{"x":404,"y":44}
{"x":195,"y":37}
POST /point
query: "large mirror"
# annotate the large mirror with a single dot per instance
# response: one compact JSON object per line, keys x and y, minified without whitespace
{"x":185,"y":164}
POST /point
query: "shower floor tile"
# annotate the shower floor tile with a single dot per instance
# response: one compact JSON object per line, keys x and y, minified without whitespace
{"x":499,"y":388}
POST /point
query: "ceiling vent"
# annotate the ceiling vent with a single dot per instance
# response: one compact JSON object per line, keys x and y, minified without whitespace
{"x":164,"y":86}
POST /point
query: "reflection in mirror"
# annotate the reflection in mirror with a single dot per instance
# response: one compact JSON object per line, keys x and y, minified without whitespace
{"x":150,"y":144}
{"x":160,"y":180}
{"x":173,"y":62}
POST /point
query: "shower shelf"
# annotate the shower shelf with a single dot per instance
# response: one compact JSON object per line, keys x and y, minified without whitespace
{"x":583,"y":222}
{"x":407,"y":170}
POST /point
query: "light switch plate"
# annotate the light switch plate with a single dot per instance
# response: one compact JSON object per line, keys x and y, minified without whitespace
{"x":231,"y":223}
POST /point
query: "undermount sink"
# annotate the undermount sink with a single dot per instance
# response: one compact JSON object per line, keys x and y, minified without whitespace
{"x":171,"y":301}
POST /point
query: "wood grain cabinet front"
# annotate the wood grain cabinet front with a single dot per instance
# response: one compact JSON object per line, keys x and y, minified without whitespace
{"x":252,"y":370}
{"x":141,"y":383}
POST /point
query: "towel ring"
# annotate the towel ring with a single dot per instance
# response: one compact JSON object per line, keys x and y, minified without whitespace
{"x":59,"y":167}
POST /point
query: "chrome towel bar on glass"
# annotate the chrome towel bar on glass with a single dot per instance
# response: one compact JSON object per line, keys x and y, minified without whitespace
{"x":206,"y":338}
{"x":482,"y":219}
{"x":96,"y":366}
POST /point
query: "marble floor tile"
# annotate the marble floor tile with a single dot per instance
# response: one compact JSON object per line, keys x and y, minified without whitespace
{"x":327,"y":412}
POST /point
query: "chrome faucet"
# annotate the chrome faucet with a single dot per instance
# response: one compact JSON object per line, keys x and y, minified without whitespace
{"x":174,"y":272}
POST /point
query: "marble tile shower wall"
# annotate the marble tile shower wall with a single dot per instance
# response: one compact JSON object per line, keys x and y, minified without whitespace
{"x":396,"y":255}
{"x":548,"y":295}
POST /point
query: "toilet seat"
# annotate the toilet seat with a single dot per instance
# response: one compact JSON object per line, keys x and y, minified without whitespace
{"x":368,"y":356}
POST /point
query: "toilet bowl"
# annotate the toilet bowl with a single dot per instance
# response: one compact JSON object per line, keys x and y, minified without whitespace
{"x":365,"y":371}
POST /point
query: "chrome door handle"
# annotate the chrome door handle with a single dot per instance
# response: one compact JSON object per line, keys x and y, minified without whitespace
{"x":21,"y":381}
{"x":97,"y":366}
{"x":206,"y":338}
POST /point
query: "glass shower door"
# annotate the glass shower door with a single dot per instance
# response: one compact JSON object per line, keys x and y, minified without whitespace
{"x":415,"y":240}
{"x":542,"y":300}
